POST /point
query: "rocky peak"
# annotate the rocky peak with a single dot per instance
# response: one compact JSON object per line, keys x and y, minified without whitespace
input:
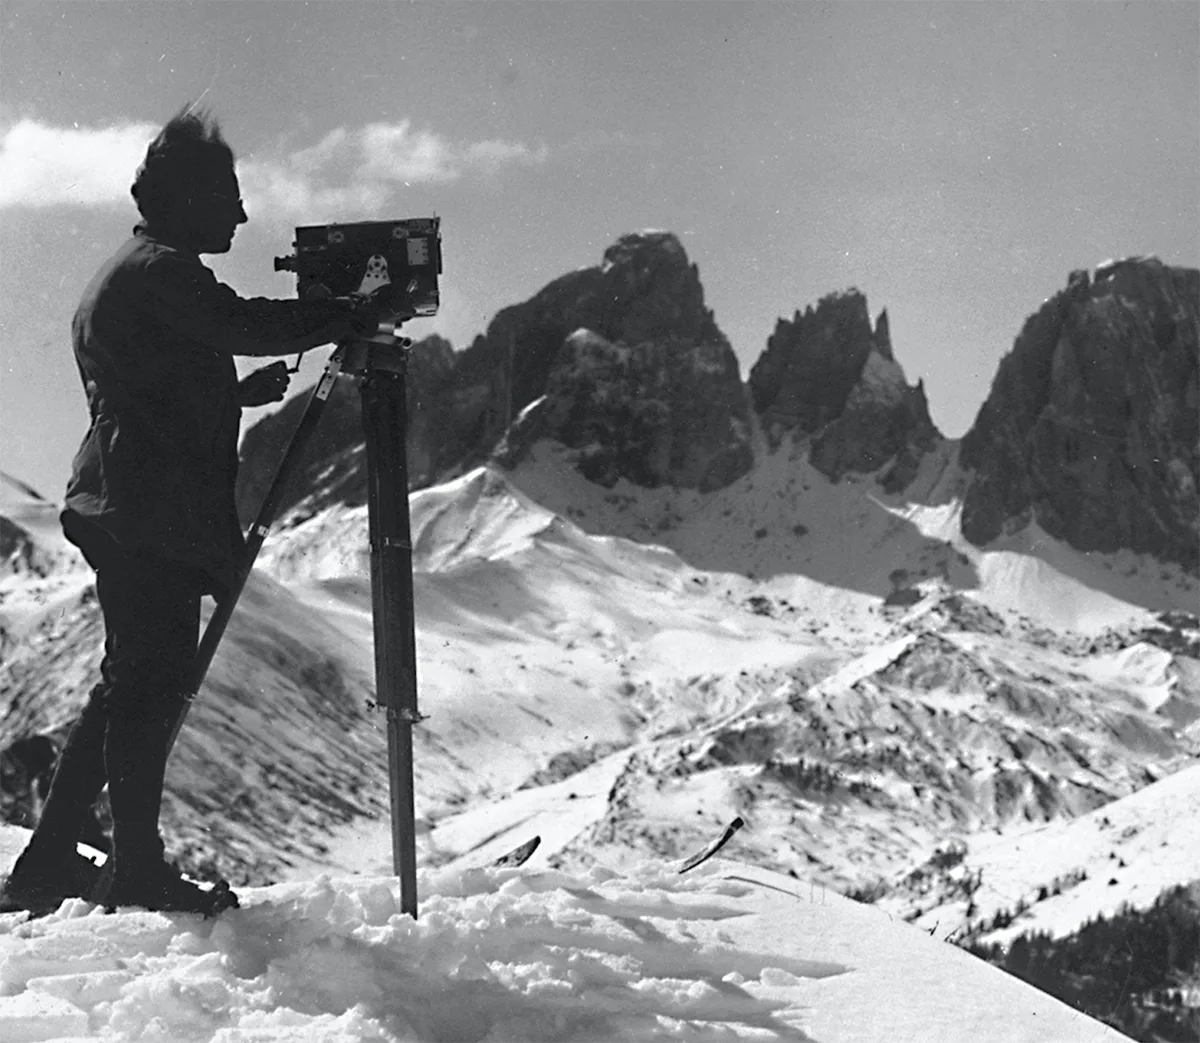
{"x":802,"y":380}
{"x":829,"y":374}
{"x":624,"y":360}
{"x":638,"y":379}
{"x":645,"y":290}
{"x":641,"y":251}
{"x":1092,"y":424}
{"x":653,"y":290}
{"x":883,"y":336}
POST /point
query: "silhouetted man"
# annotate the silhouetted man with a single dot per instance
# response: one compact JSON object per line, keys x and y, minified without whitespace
{"x":151,"y":505}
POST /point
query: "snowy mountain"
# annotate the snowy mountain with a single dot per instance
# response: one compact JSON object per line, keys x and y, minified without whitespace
{"x":1090,"y":430}
{"x":641,"y":615}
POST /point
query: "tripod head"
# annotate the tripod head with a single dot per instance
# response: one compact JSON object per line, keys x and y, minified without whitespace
{"x":396,"y":262}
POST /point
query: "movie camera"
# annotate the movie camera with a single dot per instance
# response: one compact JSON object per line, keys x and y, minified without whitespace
{"x":396,"y":262}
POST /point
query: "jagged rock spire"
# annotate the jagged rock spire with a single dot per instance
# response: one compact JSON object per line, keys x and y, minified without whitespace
{"x":828,"y":374}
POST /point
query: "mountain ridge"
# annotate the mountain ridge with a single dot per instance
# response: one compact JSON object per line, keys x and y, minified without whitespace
{"x":624,"y":365}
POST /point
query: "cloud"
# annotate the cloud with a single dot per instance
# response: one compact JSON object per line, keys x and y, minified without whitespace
{"x":357,"y":169}
{"x":42,"y":165}
{"x":348,"y":169}
{"x":396,"y":152}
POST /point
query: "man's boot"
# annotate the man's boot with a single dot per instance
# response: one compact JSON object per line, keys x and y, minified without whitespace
{"x":137,"y":874}
{"x":50,"y":869}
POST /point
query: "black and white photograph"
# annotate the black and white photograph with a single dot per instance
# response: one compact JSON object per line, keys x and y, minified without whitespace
{"x":565,"y":521}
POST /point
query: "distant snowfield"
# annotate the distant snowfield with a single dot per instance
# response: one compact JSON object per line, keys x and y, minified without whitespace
{"x":726,"y":952}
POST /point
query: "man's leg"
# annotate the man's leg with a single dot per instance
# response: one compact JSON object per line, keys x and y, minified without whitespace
{"x":79,"y":775}
{"x":50,"y":869}
{"x":158,"y":605}
{"x":78,"y":779}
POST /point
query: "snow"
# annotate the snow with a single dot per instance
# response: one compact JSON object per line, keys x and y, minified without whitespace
{"x":558,"y":812}
{"x":625,"y":633}
{"x":726,"y":952}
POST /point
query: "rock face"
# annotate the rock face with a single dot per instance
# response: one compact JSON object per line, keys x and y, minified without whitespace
{"x":644,"y":291}
{"x":661,"y":412}
{"x":827,"y":373}
{"x":1093,"y":420}
{"x":625,"y":365}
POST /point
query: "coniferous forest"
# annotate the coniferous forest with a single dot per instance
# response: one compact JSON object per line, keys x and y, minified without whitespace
{"x":1138,"y":970}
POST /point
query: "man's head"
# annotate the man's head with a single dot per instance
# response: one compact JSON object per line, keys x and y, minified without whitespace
{"x":187,"y":187}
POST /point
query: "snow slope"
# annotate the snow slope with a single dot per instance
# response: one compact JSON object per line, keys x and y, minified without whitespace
{"x":727,"y":952}
{"x":624,"y":670}
{"x":1126,"y":853}
{"x":834,"y":546}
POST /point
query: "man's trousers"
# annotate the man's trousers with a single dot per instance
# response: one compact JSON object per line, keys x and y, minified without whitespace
{"x":151,"y":613}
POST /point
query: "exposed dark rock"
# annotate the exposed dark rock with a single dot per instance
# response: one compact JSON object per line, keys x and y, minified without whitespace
{"x":26,"y":771}
{"x":801,"y":382}
{"x":1093,"y":420}
{"x":883,"y":336}
{"x":880,"y":422}
{"x":26,"y":768}
{"x":18,"y":552}
{"x":660,"y":412}
{"x":828,"y":374}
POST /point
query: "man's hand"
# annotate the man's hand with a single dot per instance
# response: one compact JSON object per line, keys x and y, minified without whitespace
{"x":264,"y":386}
{"x":368,"y":310}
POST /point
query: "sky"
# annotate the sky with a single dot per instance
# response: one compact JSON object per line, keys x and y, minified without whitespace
{"x":953,"y":161}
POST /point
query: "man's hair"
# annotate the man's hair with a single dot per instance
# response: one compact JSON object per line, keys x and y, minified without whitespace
{"x":186,"y":156}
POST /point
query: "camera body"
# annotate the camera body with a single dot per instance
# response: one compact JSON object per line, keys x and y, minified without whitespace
{"x":397,"y":261}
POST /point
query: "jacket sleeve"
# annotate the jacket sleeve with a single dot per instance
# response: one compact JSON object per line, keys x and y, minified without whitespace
{"x":186,"y":296}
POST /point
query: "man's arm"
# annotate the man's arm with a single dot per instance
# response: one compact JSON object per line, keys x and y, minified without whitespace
{"x":186,"y":296}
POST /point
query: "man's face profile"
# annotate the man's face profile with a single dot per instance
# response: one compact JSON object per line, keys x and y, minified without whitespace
{"x":215,"y":211}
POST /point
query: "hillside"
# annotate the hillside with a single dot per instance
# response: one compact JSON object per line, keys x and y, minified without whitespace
{"x":1052,"y":879}
{"x":851,"y":735}
{"x":854,"y":736}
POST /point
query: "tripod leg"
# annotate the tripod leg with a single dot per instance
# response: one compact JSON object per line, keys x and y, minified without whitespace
{"x":258,"y":532}
{"x":384,"y":422}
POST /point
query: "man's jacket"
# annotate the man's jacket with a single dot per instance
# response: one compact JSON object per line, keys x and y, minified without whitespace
{"x":154,"y":339}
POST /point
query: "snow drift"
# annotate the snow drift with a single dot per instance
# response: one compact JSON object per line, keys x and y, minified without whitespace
{"x":728,"y":952}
